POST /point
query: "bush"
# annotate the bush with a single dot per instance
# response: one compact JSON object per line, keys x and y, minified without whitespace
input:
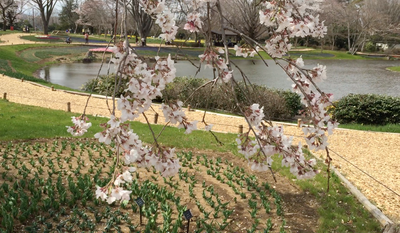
{"x":104,"y":85}
{"x":367,"y":109}
{"x":187,"y":44}
{"x":370,"y":47}
{"x":278,"y":104}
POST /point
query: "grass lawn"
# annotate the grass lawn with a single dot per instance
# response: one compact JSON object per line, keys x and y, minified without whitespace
{"x":33,"y":38}
{"x":338,"y":210}
{"x":390,"y":128}
{"x":394,"y":68}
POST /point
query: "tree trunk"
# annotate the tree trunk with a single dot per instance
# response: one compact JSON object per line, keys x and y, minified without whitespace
{"x":348,"y":37}
{"x":45,"y":27}
{"x":4,"y":21}
{"x":143,"y":39}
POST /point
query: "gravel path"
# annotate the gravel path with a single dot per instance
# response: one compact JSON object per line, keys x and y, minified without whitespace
{"x":375,"y":153}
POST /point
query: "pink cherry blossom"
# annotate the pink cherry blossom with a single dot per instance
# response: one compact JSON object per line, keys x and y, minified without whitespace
{"x":193,"y":22}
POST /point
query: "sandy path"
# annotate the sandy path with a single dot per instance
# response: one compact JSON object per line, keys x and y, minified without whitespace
{"x":375,"y":153}
{"x":15,"y":38}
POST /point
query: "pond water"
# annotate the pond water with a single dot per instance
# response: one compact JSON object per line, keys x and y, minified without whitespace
{"x":344,"y":76}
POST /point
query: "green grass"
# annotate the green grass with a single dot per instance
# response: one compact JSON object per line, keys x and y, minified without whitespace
{"x":28,"y":122}
{"x":19,"y":121}
{"x":33,"y":38}
{"x":390,"y":128}
{"x":328,"y":55}
{"x":336,"y":205}
{"x":8,"y":32}
{"x":394,"y":68}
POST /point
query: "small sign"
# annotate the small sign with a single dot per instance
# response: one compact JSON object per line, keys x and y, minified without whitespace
{"x":188,"y":215}
{"x":139,"y":201}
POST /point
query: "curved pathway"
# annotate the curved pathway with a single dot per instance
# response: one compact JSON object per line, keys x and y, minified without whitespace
{"x":15,"y":38}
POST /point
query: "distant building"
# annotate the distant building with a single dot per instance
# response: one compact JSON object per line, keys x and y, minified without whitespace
{"x":231,"y":37}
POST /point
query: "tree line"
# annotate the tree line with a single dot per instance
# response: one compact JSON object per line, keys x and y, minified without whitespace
{"x":353,"y":25}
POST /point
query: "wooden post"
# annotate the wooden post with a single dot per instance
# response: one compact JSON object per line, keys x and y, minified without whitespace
{"x":52,"y":88}
{"x":156,"y":118}
{"x":69,"y":107}
{"x":298,"y":122}
{"x":189,"y":107}
{"x":240,"y":128}
{"x":22,"y":79}
{"x":4,"y":96}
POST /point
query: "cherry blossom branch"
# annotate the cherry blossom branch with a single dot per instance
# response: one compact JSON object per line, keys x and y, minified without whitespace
{"x":328,"y":170}
{"x":151,"y":130}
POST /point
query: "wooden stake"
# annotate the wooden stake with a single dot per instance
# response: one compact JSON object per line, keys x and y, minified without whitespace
{"x":156,"y":118}
{"x":4,"y":96}
{"x":69,"y":107}
{"x":189,"y":107}
{"x":240,"y":128}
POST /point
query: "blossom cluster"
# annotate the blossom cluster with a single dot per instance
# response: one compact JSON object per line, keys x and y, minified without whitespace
{"x":271,"y":140}
{"x":80,"y":126}
{"x":144,"y":84}
{"x":194,"y":22}
{"x":245,"y":52}
{"x":164,"y":17}
{"x":316,"y":102}
{"x":289,"y":18}
{"x":212,"y":59}
{"x":173,"y":113}
{"x":115,"y":193}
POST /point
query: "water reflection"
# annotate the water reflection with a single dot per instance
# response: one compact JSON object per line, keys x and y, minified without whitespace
{"x":344,"y":77}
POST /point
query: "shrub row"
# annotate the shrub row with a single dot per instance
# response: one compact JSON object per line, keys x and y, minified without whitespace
{"x":187,"y":44}
{"x":104,"y":85}
{"x":278,"y":104}
{"x":367,"y":109}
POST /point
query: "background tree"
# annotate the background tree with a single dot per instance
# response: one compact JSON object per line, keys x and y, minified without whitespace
{"x":98,"y":14}
{"x":360,"y":21}
{"x":5,"y":5}
{"x":244,"y":16}
{"x":68,"y":15}
{"x":46,"y":8}
{"x":142,"y":21}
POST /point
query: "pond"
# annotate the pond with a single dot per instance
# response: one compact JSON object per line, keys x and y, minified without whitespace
{"x":344,"y":76}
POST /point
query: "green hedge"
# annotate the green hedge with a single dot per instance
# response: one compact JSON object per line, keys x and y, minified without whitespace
{"x":367,"y":109}
{"x":278,"y":104}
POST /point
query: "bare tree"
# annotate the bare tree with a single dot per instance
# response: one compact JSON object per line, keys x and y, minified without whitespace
{"x":142,"y":21}
{"x":46,"y":8}
{"x":14,"y":11}
{"x":97,"y":13}
{"x":358,"y":21}
{"x":244,"y":16}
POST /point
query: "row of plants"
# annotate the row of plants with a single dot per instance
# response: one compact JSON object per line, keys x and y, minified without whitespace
{"x":367,"y":109}
{"x":50,"y":187}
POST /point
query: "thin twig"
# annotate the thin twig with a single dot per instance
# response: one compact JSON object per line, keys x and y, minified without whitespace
{"x":151,"y":129}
